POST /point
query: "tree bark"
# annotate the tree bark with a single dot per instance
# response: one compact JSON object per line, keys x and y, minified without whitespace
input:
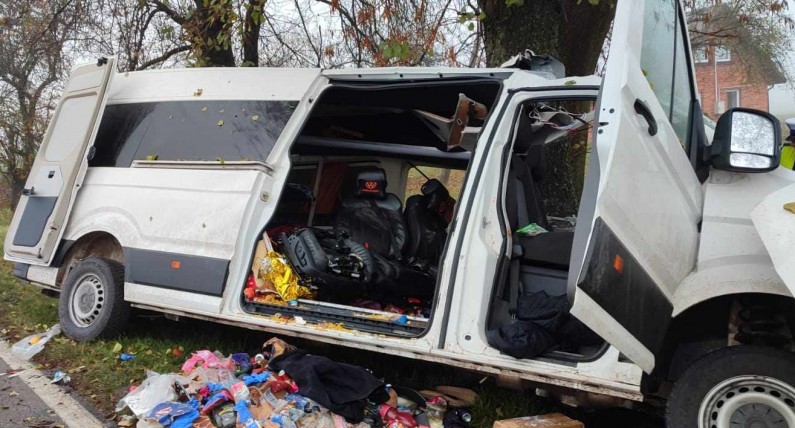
{"x":574,"y":34}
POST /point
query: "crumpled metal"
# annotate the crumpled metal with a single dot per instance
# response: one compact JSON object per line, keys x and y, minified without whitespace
{"x":276,"y":270}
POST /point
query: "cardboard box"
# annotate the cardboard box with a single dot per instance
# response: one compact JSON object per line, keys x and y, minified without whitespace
{"x":553,"y":420}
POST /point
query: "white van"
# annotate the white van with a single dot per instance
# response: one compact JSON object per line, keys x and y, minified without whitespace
{"x":155,"y":190}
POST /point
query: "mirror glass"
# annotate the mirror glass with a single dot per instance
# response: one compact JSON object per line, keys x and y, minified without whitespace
{"x":752,"y":133}
{"x":747,"y":160}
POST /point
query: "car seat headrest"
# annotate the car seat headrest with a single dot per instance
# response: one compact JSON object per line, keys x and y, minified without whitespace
{"x":438,"y":199}
{"x":371,"y":183}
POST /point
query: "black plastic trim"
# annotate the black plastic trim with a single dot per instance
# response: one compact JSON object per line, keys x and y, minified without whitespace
{"x":196,"y":274}
{"x":34,"y":219}
{"x":625,"y":290}
{"x":21,"y":271}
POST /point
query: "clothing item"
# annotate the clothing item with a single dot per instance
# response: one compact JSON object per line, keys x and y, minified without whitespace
{"x":341,"y":388}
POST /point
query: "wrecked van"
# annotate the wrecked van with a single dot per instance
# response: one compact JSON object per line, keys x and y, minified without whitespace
{"x":411,"y":211}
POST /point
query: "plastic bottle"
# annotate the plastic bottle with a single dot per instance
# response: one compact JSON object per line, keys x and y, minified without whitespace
{"x":240,"y":392}
{"x":28,"y":347}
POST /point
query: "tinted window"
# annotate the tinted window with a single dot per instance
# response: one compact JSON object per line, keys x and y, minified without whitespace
{"x":190,"y":130}
{"x":657,"y":55}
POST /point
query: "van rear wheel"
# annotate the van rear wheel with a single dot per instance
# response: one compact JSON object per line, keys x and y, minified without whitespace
{"x":92,"y":300}
{"x":742,"y":386}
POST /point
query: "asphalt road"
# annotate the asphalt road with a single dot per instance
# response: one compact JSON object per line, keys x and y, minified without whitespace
{"x":21,"y":407}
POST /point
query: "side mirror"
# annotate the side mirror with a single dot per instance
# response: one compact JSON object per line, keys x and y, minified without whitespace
{"x":746,"y":140}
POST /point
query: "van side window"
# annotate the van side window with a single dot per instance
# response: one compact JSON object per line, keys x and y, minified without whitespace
{"x":665,"y":63}
{"x":657,"y":54}
{"x":190,"y":130}
{"x":684,"y":93}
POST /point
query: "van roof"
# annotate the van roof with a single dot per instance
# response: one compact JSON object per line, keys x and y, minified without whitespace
{"x":244,"y":83}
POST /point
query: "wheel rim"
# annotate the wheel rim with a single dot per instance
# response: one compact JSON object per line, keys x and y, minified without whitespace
{"x":749,"y":402}
{"x":86,"y":300}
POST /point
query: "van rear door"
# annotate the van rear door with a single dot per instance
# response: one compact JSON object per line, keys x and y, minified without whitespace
{"x":59,"y":167}
{"x":637,"y":229}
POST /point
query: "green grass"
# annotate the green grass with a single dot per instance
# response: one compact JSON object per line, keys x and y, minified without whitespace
{"x":104,"y":379}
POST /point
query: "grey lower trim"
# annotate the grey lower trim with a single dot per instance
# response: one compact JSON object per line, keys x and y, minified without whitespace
{"x":21,"y":270}
{"x":213,"y":165}
{"x":197,"y":274}
{"x":34,"y":220}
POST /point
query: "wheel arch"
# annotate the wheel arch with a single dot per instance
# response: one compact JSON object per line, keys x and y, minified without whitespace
{"x":96,"y":243}
{"x":709,"y":325}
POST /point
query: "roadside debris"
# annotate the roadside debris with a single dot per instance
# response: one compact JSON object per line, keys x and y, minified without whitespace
{"x":60,"y":376}
{"x":28,"y":347}
{"x":285,"y":387}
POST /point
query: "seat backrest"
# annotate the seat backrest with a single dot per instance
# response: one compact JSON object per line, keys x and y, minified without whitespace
{"x":426,"y":223}
{"x":372,"y":216}
{"x":523,"y":200}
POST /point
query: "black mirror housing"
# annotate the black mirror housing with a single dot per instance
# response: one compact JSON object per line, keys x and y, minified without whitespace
{"x":746,"y":140}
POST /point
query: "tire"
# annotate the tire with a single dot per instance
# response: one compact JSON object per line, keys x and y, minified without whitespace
{"x":92,"y":303}
{"x":735,"y":387}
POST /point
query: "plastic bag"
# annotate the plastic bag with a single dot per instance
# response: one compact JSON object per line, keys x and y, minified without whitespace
{"x":531,"y":229}
{"x":156,"y":389}
{"x":33,"y":344}
{"x":208,"y":360}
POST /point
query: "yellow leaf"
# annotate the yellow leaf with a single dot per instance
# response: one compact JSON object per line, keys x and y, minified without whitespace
{"x":116,"y":348}
{"x":255,"y":117}
{"x":790,"y":207}
{"x":221,"y":123}
{"x":197,"y":93}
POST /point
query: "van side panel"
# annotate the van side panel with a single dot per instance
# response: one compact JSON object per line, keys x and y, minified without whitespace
{"x":177,"y":227}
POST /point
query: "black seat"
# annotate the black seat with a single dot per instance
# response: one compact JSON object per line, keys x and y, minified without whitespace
{"x":426,"y":223}
{"x":373,"y":217}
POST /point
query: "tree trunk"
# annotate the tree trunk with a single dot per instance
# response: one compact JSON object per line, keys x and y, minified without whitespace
{"x":574,"y":34}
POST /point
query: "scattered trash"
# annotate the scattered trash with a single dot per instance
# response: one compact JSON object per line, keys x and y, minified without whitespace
{"x":60,"y":376}
{"x":28,"y":347}
{"x":554,"y":420}
{"x":126,"y":357}
{"x":531,"y":229}
{"x":284,"y":387}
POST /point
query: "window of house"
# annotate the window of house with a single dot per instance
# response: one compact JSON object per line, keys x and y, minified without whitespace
{"x":190,"y":130}
{"x":722,"y":54}
{"x":733,"y":98}
{"x":700,"y":55}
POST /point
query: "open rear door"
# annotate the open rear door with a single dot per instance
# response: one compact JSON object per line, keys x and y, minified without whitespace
{"x":637,"y":230}
{"x":59,"y":167}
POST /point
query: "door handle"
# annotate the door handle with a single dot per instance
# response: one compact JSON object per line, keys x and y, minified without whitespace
{"x":642,"y":109}
{"x":29,"y":192}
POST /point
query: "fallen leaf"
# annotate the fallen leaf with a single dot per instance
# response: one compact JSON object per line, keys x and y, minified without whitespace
{"x":221,"y":123}
{"x":204,"y":108}
{"x":13,"y":393}
{"x":197,"y":93}
{"x":790,"y":207}
{"x":255,"y":117}
{"x":116,"y":348}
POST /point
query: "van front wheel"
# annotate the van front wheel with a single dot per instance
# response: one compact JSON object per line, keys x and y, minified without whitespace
{"x":92,"y":300}
{"x":743,"y":386}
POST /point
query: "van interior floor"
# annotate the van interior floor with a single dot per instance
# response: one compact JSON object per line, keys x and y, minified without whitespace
{"x":341,"y":316}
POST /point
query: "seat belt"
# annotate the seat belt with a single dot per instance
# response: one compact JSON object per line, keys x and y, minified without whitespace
{"x":523,"y":219}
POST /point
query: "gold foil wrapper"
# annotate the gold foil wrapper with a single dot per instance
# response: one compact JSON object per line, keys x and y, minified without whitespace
{"x":276,"y":270}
